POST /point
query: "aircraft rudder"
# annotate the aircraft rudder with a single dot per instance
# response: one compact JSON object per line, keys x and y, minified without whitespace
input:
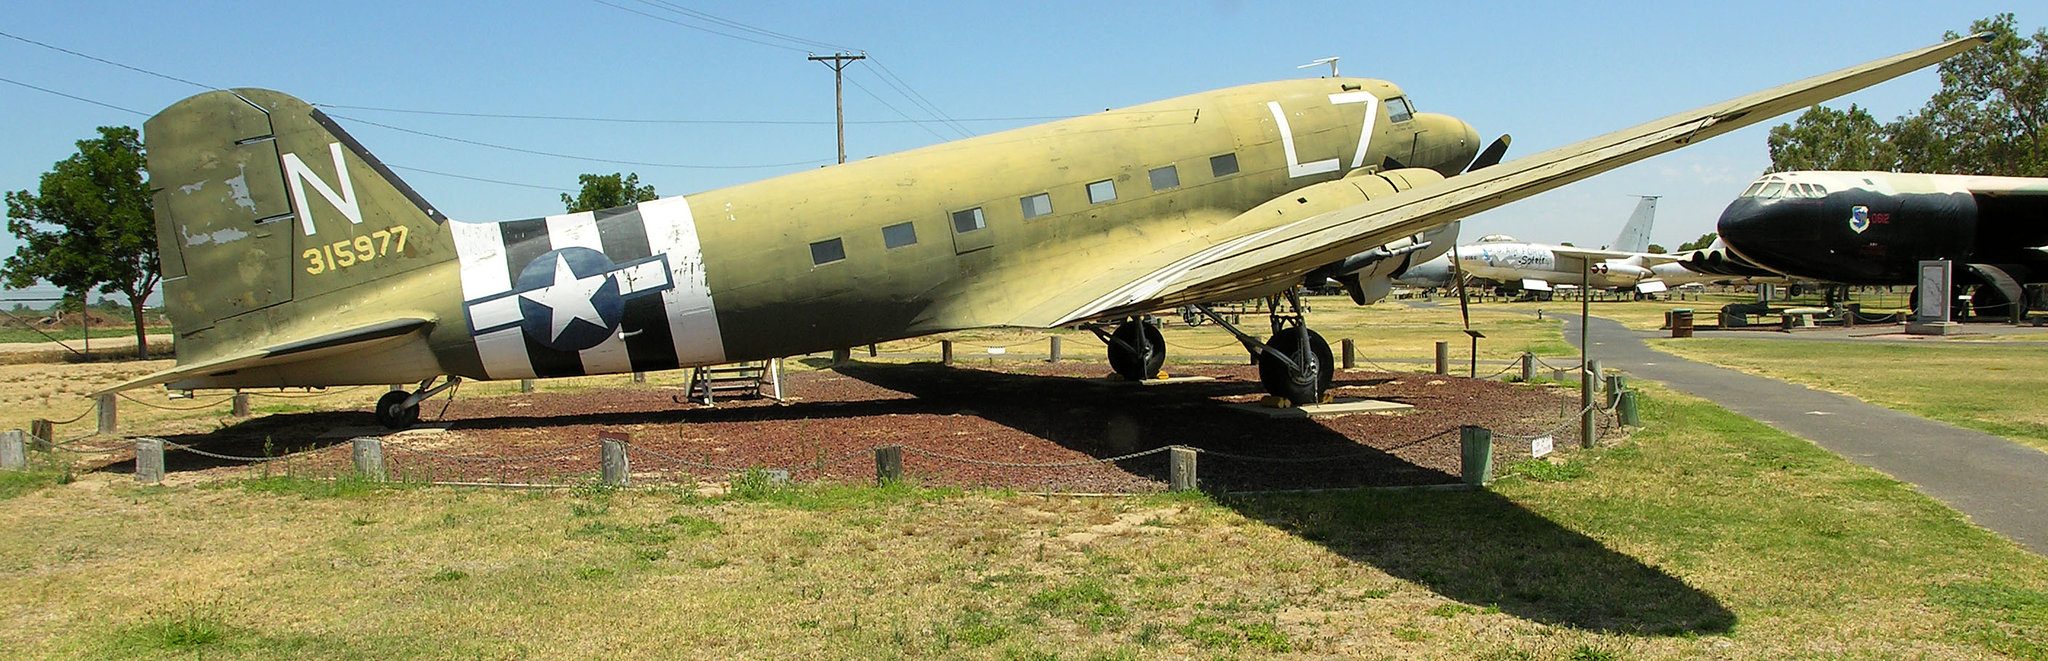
{"x":1635,"y":234}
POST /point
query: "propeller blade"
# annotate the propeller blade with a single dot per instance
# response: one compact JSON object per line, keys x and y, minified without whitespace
{"x":1464,"y":304}
{"x":1493,"y":153}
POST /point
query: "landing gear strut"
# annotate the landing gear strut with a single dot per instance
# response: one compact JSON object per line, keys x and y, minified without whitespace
{"x":1295,"y":363}
{"x":1136,"y":349}
{"x":399,"y":409}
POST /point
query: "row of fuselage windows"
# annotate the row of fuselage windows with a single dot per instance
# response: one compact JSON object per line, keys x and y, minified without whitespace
{"x":1768,"y":189}
{"x":1033,"y":206}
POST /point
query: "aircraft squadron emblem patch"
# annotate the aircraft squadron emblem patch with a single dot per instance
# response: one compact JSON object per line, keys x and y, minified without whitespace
{"x":1859,"y":218}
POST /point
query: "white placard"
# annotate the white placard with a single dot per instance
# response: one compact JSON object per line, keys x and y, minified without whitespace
{"x":1541,"y":446}
{"x":998,"y":350}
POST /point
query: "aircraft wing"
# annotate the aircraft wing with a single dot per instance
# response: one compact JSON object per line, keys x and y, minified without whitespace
{"x":1258,"y":260}
{"x":362,"y":338}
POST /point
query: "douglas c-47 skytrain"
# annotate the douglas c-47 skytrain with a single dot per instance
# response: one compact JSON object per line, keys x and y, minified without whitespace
{"x":292,"y":257}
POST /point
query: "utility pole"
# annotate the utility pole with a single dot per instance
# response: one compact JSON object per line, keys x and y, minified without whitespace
{"x":838,"y":62}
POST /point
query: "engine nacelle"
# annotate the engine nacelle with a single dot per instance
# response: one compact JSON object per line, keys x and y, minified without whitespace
{"x":1368,"y":275}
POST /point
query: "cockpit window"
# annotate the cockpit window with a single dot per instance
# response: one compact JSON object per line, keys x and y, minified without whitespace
{"x":1398,"y":110}
{"x":1752,"y":191}
{"x":1772,"y":190}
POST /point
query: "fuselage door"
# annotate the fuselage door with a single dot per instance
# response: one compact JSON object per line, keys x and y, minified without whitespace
{"x":970,"y":231}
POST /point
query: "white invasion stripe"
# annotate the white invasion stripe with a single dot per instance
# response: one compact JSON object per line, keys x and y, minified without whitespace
{"x":481,"y":249}
{"x":494,"y":313}
{"x":693,"y":319}
{"x":579,"y":230}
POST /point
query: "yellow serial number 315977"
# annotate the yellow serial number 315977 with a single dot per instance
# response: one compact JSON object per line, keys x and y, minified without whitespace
{"x":350,"y":252}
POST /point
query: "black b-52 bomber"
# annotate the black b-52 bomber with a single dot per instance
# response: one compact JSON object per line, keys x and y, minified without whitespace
{"x":1873,"y":228}
{"x":292,"y":257}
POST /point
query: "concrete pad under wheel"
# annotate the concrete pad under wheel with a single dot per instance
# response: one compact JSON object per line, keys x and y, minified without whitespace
{"x":1336,"y":408}
{"x":382,"y":432}
{"x":1174,"y":380}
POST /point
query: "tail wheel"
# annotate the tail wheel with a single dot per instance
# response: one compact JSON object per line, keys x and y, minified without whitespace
{"x":393,"y":413}
{"x":1139,"y":350}
{"x":1310,"y":376}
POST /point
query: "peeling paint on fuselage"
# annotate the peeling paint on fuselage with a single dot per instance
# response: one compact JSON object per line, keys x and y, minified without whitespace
{"x":238,"y":188}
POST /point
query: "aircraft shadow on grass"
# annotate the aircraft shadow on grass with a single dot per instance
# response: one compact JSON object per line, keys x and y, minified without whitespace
{"x":1474,"y":547}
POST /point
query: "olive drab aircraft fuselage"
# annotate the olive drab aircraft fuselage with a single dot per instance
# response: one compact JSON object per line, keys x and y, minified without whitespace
{"x":292,"y":257}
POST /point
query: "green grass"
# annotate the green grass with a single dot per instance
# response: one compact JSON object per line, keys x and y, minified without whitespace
{"x":1707,"y":535}
{"x":1997,"y":389}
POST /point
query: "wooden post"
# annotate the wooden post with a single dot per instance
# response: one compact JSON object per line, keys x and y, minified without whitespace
{"x":369,"y":456}
{"x":1055,"y":340}
{"x":1350,"y":353}
{"x":888,"y":464}
{"x":1588,"y":430}
{"x":1180,"y":468}
{"x":149,"y":461}
{"x":841,"y":357}
{"x":241,"y":405}
{"x":872,"y":351}
{"x":107,"y":420}
{"x":1616,"y":384}
{"x":945,"y":352}
{"x":1475,"y":446}
{"x":1528,"y":367}
{"x":13,"y":451}
{"x":526,"y":385}
{"x":1627,"y":409}
{"x":42,"y":434}
{"x":614,"y":466}
{"x":1443,"y":358}
{"x":639,"y":377}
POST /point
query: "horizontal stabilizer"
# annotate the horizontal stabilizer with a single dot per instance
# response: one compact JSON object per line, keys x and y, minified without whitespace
{"x":356,"y":339}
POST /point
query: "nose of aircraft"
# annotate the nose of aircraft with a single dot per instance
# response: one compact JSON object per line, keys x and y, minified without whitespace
{"x":1447,"y":144}
{"x":1766,"y":232}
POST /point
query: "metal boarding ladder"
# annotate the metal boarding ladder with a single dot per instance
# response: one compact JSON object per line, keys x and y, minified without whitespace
{"x":746,"y":380}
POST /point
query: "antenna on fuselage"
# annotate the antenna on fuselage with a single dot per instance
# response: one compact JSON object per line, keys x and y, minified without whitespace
{"x":1322,"y":61}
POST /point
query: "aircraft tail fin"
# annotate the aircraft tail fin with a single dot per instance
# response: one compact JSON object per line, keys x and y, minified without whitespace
{"x":263,"y":202}
{"x":1635,"y":234}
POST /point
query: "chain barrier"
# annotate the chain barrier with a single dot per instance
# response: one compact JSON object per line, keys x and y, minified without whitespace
{"x":163,"y":407}
{"x":485,"y":460}
{"x":305,"y":395}
{"x":223,"y":457}
{"x":1003,"y":464}
{"x":681,"y":461}
{"x":71,"y":445}
{"x":94,"y":406}
{"x":1219,"y":346}
{"x":1545,"y":363}
{"x":1592,"y":406}
{"x":995,"y":346}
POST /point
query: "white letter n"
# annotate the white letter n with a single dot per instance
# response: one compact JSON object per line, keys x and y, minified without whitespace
{"x":298,"y":175}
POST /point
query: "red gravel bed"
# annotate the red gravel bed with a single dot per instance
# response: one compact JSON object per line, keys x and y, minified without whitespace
{"x":957,"y":425}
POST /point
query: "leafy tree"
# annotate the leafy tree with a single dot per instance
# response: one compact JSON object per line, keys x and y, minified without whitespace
{"x":1828,"y":139}
{"x":1657,"y":249}
{"x":1699,"y":243}
{"x":1988,"y":117}
{"x":604,"y":191}
{"x":89,"y":224}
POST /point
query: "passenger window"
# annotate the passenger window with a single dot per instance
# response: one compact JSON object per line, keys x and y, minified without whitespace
{"x":1225,"y":165}
{"x":899,"y":235}
{"x":1101,"y":191}
{"x":1037,"y":205}
{"x":827,"y":251}
{"x":1164,"y":178}
{"x":968,"y":221}
{"x":1398,"y":110}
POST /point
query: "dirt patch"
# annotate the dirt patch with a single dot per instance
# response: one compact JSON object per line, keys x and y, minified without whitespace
{"x":960,"y":426}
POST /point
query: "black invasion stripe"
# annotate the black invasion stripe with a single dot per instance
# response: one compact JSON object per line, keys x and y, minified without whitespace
{"x":525,"y":241}
{"x":551,"y":363}
{"x":650,"y":346}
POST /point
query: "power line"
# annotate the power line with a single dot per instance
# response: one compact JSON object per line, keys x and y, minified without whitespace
{"x":594,"y":159}
{"x":74,"y":98}
{"x":905,"y":88}
{"x":885,"y":104}
{"x":488,"y":181}
{"x":139,"y":70}
{"x":809,"y":43}
{"x":699,"y":28}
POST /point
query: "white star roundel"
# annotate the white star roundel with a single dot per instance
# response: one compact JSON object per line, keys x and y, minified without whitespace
{"x":568,"y":299}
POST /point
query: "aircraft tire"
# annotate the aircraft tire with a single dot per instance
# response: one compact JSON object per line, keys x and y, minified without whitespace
{"x":393,"y":413}
{"x":1131,"y":366}
{"x":1280,"y":380}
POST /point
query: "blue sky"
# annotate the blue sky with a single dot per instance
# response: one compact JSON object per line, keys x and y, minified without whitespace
{"x":1548,"y":73}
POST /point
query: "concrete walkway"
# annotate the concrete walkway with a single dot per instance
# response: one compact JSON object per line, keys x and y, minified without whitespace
{"x":1999,"y":484}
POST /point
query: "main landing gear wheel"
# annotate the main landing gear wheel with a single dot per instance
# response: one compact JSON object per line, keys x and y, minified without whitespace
{"x":1307,"y":371}
{"x":393,"y":413}
{"x":1136,"y":350}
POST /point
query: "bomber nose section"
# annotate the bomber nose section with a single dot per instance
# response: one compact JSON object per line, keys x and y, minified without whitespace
{"x":1446,"y":144}
{"x":1770,"y":233}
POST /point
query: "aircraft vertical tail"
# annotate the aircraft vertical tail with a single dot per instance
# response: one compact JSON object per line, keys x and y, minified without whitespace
{"x":1635,"y":234}
{"x":268,"y":214}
